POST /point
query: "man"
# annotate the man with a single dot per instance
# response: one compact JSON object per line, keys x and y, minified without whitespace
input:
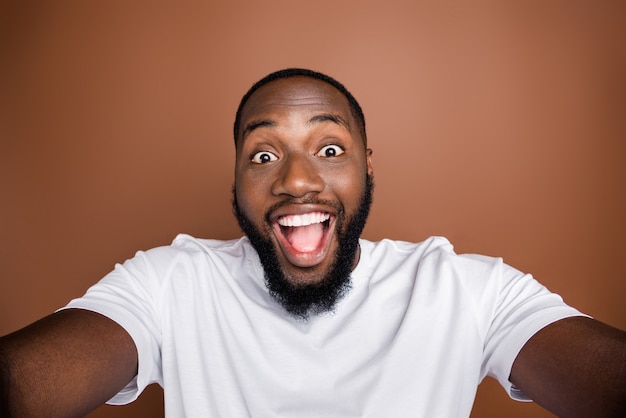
{"x":302,"y":317}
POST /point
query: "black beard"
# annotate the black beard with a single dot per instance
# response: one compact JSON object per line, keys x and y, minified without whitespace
{"x":303,"y":300}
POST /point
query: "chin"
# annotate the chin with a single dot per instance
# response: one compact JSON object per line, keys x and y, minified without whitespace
{"x":305,"y":276}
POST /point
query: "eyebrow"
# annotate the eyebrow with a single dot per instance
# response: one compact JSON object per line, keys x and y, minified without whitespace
{"x":317,"y":119}
{"x":330,"y":117}
{"x":257,"y":124}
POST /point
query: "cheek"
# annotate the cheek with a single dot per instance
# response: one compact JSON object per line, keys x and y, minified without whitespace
{"x":349,"y":185}
{"x":244,"y":193}
{"x":251,"y":196}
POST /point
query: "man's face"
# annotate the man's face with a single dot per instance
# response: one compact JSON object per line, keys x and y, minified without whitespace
{"x":301,"y":176}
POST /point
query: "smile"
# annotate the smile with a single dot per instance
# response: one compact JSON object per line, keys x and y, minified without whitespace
{"x":304,"y":219}
{"x":304,"y":238}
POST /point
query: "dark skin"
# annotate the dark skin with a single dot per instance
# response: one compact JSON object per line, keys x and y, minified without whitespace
{"x":64,"y":365}
{"x":575,"y":367}
{"x":300,"y":154}
{"x":71,"y":362}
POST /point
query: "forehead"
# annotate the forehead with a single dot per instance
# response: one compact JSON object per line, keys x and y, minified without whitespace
{"x":295,"y":94}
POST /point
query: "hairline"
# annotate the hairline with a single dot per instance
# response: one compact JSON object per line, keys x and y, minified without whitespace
{"x":353,"y":104}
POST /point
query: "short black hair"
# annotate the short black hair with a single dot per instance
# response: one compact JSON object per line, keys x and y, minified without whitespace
{"x":355,"y":108}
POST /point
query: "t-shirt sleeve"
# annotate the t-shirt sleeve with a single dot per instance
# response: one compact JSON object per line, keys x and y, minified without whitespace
{"x":129,"y":296}
{"x":522,"y":307}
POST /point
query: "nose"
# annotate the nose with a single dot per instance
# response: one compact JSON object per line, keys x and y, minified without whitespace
{"x":297,"y":177}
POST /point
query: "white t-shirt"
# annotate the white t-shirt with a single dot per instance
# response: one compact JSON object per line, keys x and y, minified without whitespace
{"x":414,"y":336}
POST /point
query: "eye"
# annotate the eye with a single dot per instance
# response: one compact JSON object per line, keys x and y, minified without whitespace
{"x":330,"y":151}
{"x":263,"y":157}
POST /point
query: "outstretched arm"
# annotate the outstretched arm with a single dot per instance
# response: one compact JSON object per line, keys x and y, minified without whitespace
{"x":64,"y":365}
{"x":575,"y":367}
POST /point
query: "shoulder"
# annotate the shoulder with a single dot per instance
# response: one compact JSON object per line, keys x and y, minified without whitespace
{"x":433,"y":255}
{"x":185,"y":260}
{"x":434,"y":269}
{"x":186,"y":248}
{"x":400,"y":251}
{"x":188,"y":244}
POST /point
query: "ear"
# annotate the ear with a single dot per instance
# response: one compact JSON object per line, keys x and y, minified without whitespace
{"x":370,"y":168}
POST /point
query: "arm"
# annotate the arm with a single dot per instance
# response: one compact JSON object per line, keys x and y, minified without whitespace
{"x":64,"y":365}
{"x":575,"y":367}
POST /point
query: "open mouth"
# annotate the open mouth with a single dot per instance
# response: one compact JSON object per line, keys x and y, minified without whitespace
{"x":304,"y":238}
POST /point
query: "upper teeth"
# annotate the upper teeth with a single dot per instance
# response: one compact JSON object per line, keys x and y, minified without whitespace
{"x":304,"y":219}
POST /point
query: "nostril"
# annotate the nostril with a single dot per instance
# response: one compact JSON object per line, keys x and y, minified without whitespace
{"x":297,"y":178}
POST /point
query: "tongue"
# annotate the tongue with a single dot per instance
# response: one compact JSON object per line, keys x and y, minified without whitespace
{"x":306,"y":238}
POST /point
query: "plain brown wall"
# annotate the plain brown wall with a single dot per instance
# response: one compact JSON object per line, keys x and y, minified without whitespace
{"x":500,"y":126}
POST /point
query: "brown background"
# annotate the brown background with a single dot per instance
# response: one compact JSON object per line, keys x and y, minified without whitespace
{"x":500,"y":126}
